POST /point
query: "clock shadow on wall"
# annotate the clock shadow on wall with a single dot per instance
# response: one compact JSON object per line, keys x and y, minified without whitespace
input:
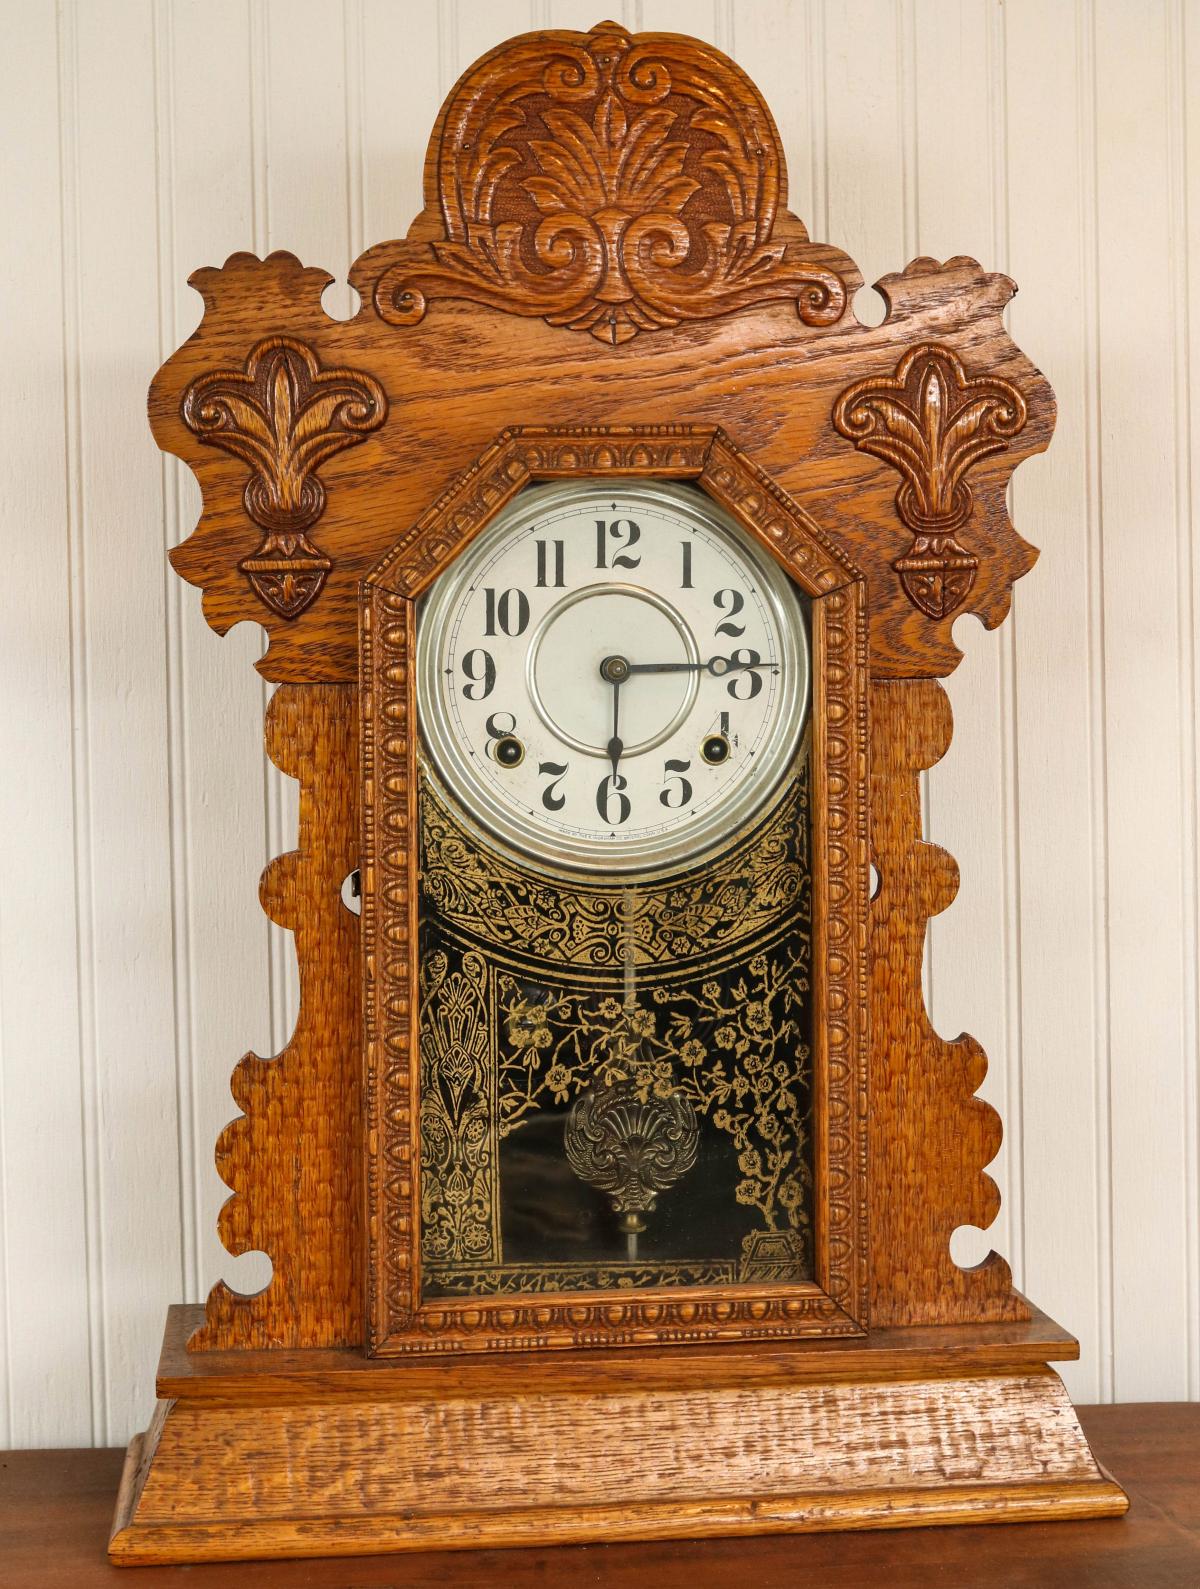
{"x":615,"y":1069}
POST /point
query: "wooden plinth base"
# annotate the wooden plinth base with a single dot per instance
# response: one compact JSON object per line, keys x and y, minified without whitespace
{"x":257,"y":1454}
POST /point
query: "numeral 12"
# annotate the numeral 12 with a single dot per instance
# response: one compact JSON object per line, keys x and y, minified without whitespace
{"x":626,"y":533}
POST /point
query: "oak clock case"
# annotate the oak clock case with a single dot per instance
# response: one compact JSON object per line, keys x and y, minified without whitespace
{"x":609,"y":1174}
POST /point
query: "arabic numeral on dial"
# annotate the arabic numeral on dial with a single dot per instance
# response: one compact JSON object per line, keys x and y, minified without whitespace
{"x":495,"y":729}
{"x":509,"y":609}
{"x":679,"y":790}
{"x":686,"y":582}
{"x":613,"y":789}
{"x":626,"y":534}
{"x":480,"y":672}
{"x":556,"y":772}
{"x":544,"y":560}
{"x":746,"y":661}
{"x":731,"y":602}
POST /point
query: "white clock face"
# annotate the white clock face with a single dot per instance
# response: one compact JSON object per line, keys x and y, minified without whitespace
{"x":613,"y":677}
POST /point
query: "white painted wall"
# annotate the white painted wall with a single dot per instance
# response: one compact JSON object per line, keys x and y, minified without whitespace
{"x":1051,"y":138}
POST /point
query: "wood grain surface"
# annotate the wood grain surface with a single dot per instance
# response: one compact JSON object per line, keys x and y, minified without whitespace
{"x":295,"y":1453}
{"x":292,"y":1157}
{"x":314,"y":1374}
{"x":55,"y":1507}
{"x":833,"y":436}
{"x":933,"y":1136}
{"x":352,"y":1472}
{"x":603,"y":260}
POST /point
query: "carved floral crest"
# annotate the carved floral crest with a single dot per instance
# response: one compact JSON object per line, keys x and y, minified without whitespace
{"x":283,"y":415}
{"x":932,"y":424}
{"x":611,"y":184}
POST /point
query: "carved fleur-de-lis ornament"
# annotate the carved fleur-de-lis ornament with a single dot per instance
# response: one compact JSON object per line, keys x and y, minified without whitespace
{"x":932,"y":423}
{"x":284,"y":415}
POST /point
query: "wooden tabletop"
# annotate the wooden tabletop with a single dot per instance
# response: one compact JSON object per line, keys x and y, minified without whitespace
{"x":55,"y":1508}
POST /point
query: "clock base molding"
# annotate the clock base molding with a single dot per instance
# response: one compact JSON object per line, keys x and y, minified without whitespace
{"x":326,"y":1452}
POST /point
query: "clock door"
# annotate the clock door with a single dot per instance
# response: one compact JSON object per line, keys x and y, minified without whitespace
{"x":614,"y":878}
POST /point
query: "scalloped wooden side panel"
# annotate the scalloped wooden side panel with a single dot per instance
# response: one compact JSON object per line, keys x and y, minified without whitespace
{"x":927,"y":1164}
{"x":292,"y":1158}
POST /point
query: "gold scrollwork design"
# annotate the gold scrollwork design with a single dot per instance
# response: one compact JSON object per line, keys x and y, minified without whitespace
{"x":697,"y":1000}
{"x":459,"y":1214}
{"x":745,"y":1074}
{"x":495,"y":902}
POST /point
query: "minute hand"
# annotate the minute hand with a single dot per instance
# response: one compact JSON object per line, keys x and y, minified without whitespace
{"x":718,"y":666}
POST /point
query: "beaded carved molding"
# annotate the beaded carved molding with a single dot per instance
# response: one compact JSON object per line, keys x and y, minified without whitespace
{"x":400,"y":1320}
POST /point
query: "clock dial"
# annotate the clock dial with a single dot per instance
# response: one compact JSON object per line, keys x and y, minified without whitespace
{"x":612,"y":676}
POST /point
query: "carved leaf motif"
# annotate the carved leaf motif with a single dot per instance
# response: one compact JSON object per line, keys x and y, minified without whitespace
{"x":932,"y":424}
{"x":651,"y":201}
{"x":283,"y":415}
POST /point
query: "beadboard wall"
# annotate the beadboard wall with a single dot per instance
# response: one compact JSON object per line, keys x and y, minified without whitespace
{"x":1052,"y":139}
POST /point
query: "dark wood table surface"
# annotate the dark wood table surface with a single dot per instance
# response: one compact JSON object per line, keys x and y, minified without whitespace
{"x":55,"y":1508}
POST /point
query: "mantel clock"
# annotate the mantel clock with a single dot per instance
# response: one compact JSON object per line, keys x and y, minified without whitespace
{"x":609,"y":565}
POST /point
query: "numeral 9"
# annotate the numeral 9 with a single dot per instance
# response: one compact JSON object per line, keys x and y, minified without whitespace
{"x":480,"y":673}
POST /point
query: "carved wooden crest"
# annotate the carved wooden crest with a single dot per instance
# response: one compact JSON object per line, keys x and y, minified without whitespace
{"x":611,"y":184}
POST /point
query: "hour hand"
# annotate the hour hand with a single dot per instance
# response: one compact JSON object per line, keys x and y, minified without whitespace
{"x":615,"y":746}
